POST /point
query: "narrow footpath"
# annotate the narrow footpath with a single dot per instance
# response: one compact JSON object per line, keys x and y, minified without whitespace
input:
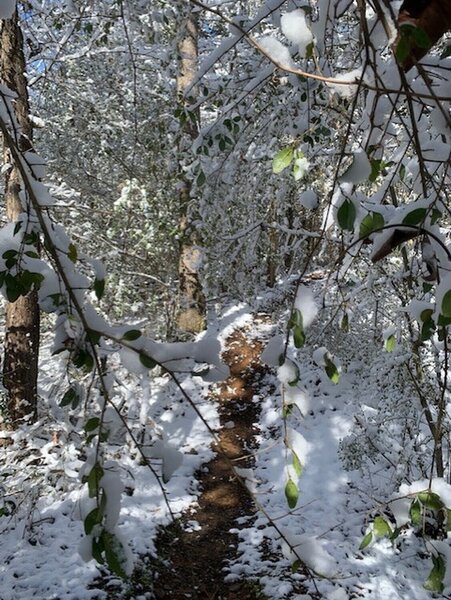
{"x":191,"y":563}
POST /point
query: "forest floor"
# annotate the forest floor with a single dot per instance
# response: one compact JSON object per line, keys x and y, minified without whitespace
{"x":221,"y":547}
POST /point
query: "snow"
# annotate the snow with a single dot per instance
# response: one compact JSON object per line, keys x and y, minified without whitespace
{"x":273,"y":350}
{"x":343,"y":90}
{"x":288,"y":372}
{"x":359,"y":170}
{"x":294,"y":27}
{"x":276,"y":51}
{"x":309,"y":199}
{"x":7,"y":8}
{"x":306,"y":305}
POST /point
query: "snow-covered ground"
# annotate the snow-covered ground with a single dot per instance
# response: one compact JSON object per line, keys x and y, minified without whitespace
{"x":347,"y":479}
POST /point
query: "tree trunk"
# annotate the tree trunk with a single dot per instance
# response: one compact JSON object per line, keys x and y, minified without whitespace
{"x":20,"y":366}
{"x":191,"y":317}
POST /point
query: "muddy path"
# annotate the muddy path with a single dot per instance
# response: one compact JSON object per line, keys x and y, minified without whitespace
{"x":191,"y":563}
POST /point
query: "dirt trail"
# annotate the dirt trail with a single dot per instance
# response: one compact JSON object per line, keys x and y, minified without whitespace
{"x":191,"y":564}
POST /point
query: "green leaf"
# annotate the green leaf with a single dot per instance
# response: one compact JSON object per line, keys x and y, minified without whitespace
{"x":427,"y":330}
{"x":381,"y":527}
{"x":295,"y":318}
{"x":94,"y":477}
{"x":78,"y":358}
{"x":430,"y":500}
{"x":98,"y":548}
{"x":344,"y":323}
{"x":201,"y":179}
{"x":13,"y":291}
{"x":291,"y":493}
{"x":99,"y":288}
{"x":446,"y":304}
{"x":72,"y":253}
{"x":70,"y":397}
{"x":93,"y":336}
{"x":92,"y":424}
{"x":372,"y":222}
{"x":297,"y":465}
{"x":131,"y":335}
{"x":403,"y":48}
{"x":282,"y":159}
{"x":92,"y":519}
{"x":415,"y":217}
{"x":147,"y":360}
{"x":331,"y":370}
{"x":346,"y":215}
{"x":376,"y":167}
{"x":114,"y":554}
{"x":298,"y":336}
{"x":296,"y":565}
{"x":426,"y":314}
{"x":448,"y":519}
{"x":443,"y":321}
{"x":421,"y":38}
{"x":415,"y":513}
{"x":367,"y":539}
{"x":390,"y":343}
{"x":434,"y":583}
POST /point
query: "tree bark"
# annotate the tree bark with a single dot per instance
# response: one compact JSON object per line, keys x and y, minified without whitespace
{"x":191,"y":316}
{"x":20,"y":366}
{"x":433,"y":17}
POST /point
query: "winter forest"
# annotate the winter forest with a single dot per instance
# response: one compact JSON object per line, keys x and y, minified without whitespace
{"x":225,"y":275}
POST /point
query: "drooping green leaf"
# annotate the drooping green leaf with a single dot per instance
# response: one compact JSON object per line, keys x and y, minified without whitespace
{"x":298,"y":336}
{"x":421,"y":38}
{"x":93,"y":336}
{"x":94,"y":477}
{"x":430,"y":500}
{"x":297,"y":465}
{"x":147,"y":360}
{"x":426,"y":314}
{"x":295,"y":318}
{"x":92,"y":519}
{"x":376,"y":166}
{"x":390,"y":343}
{"x":92,"y":424}
{"x":70,"y":397}
{"x":415,"y":513}
{"x":367,"y":539}
{"x":131,"y":335}
{"x":381,"y":527}
{"x":434,"y":583}
{"x":78,"y":358}
{"x":98,"y":548}
{"x":331,"y":370}
{"x":114,"y":554}
{"x":72,"y":253}
{"x":372,"y":222}
{"x":296,"y":565}
{"x":282,"y":159}
{"x":427,"y":330}
{"x":291,"y":493}
{"x":415,"y":217}
{"x":446,"y":304}
{"x":99,"y":288}
{"x":346,"y":215}
{"x":403,"y":49}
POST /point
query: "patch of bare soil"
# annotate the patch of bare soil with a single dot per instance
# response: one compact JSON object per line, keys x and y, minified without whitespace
{"x":191,"y":563}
